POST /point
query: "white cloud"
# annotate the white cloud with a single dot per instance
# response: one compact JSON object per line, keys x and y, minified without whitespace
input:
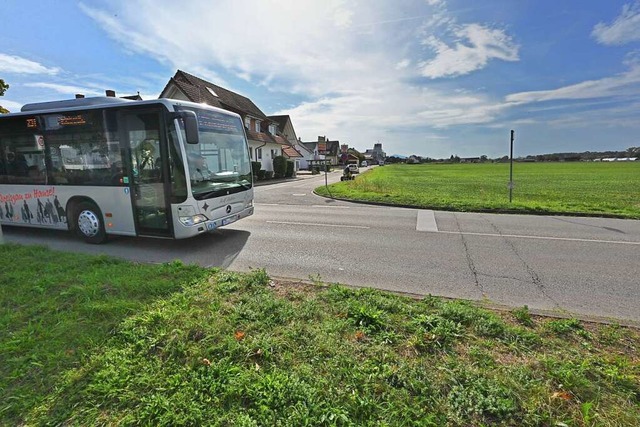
{"x":18,"y":65}
{"x":625,"y":28}
{"x":355,"y":66}
{"x":403,"y":64}
{"x":66,"y":89}
{"x":622,"y":85}
{"x":306,"y":45}
{"x":482,"y":45}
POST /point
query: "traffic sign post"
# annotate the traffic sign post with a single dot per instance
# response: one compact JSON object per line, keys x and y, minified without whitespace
{"x":511,"y":169}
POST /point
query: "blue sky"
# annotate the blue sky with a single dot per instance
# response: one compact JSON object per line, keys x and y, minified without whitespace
{"x":426,"y":77}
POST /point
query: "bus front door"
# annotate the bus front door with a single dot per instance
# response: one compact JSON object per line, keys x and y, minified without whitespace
{"x":150,"y":206}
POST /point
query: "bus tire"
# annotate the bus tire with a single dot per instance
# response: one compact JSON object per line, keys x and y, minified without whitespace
{"x":89,"y":224}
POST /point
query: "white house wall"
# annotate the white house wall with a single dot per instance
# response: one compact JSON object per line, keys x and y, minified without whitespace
{"x":267,"y":160}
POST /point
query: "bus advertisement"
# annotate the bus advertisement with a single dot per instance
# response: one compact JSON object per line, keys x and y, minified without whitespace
{"x":110,"y":166}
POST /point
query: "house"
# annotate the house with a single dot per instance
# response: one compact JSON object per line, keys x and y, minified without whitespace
{"x":262,"y":133}
{"x":307,"y":153}
{"x":470,"y":160}
{"x":287,"y":136}
{"x":323,"y":150}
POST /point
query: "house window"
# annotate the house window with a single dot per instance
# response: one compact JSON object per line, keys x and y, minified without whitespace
{"x":259,"y":153}
{"x":274,"y":153}
{"x":247,"y":122}
{"x":257,"y":125}
{"x":273,"y":129}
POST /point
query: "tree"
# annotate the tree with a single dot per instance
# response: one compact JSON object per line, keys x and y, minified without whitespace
{"x":3,"y":88}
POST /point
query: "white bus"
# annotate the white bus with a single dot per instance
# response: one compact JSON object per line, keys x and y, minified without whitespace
{"x":109,"y":166}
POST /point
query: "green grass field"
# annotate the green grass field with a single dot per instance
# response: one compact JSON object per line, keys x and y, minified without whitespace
{"x":564,"y":188}
{"x":96,"y":341}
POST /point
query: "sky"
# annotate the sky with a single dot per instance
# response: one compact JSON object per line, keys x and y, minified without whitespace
{"x":433,"y":78}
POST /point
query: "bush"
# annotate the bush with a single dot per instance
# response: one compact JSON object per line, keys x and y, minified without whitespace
{"x":279,"y":166}
{"x":290,"y":169}
{"x":268,"y":174}
{"x":261,"y":173}
{"x":255,"y":167}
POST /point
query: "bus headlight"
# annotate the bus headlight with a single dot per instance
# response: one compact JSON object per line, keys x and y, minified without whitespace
{"x":192,"y":220}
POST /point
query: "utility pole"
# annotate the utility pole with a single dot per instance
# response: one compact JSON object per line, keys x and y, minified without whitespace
{"x":511,"y":169}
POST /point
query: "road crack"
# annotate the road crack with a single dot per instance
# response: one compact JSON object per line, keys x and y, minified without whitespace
{"x":535,"y":279}
{"x":470,"y":262}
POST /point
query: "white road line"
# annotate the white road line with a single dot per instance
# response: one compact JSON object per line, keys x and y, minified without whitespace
{"x":519,"y":236}
{"x":315,"y":224}
{"x":426,"y":221}
{"x":332,"y":207}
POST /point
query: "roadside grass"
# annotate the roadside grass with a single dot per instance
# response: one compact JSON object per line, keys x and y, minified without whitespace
{"x":571,"y":188}
{"x":221,"y":348}
{"x":58,"y":308}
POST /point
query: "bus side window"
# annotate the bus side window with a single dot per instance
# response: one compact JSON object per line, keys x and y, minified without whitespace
{"x":36,"y":176}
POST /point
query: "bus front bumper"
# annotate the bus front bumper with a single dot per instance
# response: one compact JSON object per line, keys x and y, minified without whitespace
{"x":230,"y":219}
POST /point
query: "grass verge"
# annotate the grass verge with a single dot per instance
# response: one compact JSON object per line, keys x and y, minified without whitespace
{"x":220,"y":348}
{"x":610,"y":189}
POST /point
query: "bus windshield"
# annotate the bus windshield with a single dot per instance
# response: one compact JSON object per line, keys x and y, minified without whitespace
{"x":219,"y":164}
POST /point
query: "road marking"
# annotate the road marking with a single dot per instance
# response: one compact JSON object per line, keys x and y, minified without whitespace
{"x":315,"y":224}
{"x":567,"y":239}
{"x":329,"y":206}
{"x":299,"y":194}
{"x":426,"y":221}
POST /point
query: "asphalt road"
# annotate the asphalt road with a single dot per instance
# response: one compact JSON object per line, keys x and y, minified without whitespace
{"x":588,"y":267}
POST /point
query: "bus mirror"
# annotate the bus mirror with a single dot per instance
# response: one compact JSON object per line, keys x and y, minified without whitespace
{"x":191,"y":127}
{"x":190,"y":121}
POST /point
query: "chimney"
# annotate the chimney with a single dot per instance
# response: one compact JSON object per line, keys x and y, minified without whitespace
{"x":79,"y":96}
{"x":110,"y":93}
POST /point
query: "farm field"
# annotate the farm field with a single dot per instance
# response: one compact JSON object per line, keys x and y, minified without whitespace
{"x":607,"y":189}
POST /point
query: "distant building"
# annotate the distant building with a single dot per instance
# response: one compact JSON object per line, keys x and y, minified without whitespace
{"x":376,"y":154}
{"x":323,"y":150}
{"x":620,"y":159}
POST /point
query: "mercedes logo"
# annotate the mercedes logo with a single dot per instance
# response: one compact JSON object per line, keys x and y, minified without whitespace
{"x":229,"y":209}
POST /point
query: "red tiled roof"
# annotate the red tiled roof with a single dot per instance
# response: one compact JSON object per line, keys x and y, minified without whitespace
{"x":260,"y":136}
{"x":290,"y":152}
{"x":196,"y":90}
{"x":281,"y":140}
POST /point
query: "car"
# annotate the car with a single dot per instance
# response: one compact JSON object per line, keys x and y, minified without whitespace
{"x":364,"y":164}
{"x":354,"y":168}
{"x":381,"y":163}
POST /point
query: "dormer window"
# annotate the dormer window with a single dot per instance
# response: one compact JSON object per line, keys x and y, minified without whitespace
{"x":257,"y":126}
{"x":212,"y":92}
{"x":273,"y":129}
{"x":247,"y":122}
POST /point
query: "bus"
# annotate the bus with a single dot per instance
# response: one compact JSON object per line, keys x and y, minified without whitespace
{"x":111,"y":166}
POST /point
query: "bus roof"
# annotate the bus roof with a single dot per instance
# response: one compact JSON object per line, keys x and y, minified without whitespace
{"x":106,"y":102}
{"x":71,"y":103}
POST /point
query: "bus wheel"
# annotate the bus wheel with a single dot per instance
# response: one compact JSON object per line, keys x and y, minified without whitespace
{"x":89,"y":224}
